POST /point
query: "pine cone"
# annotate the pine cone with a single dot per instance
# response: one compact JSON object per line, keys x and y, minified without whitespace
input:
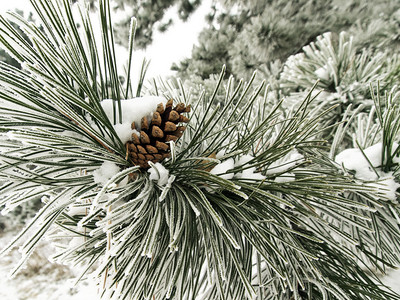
{"x":151,"y":144}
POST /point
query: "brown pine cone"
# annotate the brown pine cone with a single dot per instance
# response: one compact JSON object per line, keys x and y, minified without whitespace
{"x":152,"y":142}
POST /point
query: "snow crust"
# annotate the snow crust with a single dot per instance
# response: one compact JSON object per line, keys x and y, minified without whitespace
{"x":133,"y":110}
{"x":369,"y":170}
{"x":105,"y":172}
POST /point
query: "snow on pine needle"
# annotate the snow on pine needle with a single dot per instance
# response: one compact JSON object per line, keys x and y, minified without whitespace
{"x":343,"y":72}
{"x":168,"y":198}
{"x":374,"y":161}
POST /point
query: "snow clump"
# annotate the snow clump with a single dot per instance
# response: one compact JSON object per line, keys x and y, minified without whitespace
{"x":354,"y":159}
{"x":285,"y":163}
{"x":133,"y":110}
{"x":105,"y":172}
{"x":247,"y":172}
{"x":222,"y":168}
{"x":369,"y":170}
{"x":159,"y":173}
{"x":323,"y":73}
{"x":282,"y":165}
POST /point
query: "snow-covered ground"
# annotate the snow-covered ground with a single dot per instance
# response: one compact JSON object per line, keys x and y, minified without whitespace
{"x":41,"y":280}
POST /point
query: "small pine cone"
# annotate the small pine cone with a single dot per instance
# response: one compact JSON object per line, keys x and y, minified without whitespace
{"x":152,"y":143}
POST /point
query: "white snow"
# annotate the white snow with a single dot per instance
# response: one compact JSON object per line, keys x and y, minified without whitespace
{"x":133,"y":110}
{"x":249,"y":172}
{"x":159,"y":173}
{"x":354,"y":159}
{"x":222,"y":168}
{"x":124,"y":131}
{"x":105,"y":172}
{"x":322,"y":73}
{"x":243,"y":160}
{"x":285,"y":163}
{"x":369,"y":170}
{"x":392,"y":279}
{"x":387,"y":186}
{"x":287,"y":177}
{"x":220,"y":154}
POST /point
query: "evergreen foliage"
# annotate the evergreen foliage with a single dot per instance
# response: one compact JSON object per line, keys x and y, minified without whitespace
{"x":343,"y":73}
{"x":374,"y":132}
{"x":4,"y":56}
{"x":252,"y":206}
{"x":251,"y":35}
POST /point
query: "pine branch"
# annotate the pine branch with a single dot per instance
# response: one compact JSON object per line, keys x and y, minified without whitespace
{"x":246,"y":203}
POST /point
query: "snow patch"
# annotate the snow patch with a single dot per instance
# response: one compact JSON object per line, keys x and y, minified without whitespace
{"x":285,"y":163}
{"x":387,"y":186}
{"x":105,"y":172}
{"x":288,"y":177}
{"x":159,"y":173}
{"x":322,"y":73}
{"x":249,"y":172}
{"x":354,"y":159}
{"x":124,"y":131}
{"x":243,"y":160}
{"x":367,"y":167}
{"x":222,"y":168}
{"x":392,"y":280}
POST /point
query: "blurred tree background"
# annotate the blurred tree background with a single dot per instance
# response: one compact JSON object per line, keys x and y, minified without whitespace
{"x":258,"y":34}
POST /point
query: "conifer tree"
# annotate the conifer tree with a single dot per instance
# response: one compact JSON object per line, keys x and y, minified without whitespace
{"x":160,"y":194}
{"x":254,"y":34}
